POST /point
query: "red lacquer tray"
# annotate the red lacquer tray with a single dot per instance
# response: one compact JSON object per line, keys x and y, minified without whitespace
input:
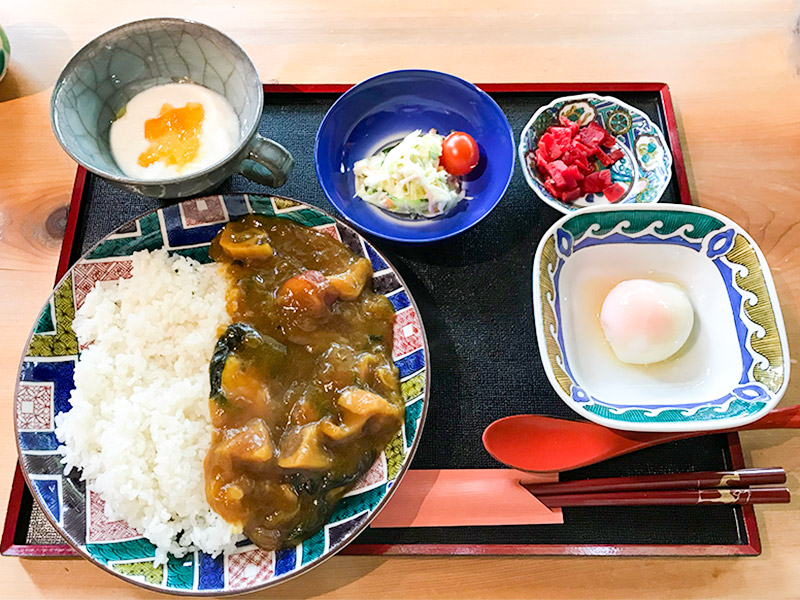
{"x":293,"y":111}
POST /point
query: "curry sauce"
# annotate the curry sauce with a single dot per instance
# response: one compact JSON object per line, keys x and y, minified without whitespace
{"x":304,"y":393}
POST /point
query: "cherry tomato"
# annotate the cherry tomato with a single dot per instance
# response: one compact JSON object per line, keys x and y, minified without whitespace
{"x":459,"y":153}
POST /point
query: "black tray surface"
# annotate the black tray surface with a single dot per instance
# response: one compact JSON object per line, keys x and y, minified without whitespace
{"x":475,"y":300}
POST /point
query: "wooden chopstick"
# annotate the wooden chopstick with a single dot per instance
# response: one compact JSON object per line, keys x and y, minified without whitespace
{"x":740,"y":478}
{"x":671,"y":497}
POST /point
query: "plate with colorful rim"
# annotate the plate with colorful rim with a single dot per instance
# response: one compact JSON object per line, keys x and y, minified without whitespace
{"x":46,"y":380}
{"x":645,"y":169}
{"x":733,"y":368}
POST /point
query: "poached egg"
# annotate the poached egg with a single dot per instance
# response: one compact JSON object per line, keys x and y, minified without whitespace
{"x":646,"y":321}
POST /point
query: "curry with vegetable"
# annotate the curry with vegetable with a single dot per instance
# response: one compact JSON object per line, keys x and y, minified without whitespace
{"x":304,"y":393}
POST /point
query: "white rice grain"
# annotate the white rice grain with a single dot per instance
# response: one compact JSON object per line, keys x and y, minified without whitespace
{"x":139,"y":426}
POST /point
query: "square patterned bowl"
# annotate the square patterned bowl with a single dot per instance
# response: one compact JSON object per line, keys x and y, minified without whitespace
{"x":735,"y":365}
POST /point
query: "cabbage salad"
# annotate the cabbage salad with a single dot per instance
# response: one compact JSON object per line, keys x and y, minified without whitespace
{"x":408,"y":179}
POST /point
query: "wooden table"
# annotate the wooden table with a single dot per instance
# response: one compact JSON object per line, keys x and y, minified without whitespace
{"x":733,"y":69}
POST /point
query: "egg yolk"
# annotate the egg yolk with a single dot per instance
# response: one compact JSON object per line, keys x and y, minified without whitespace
{"x":174,"y":135}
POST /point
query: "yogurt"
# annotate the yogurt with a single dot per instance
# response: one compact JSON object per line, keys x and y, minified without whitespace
{"x":173,"y":130}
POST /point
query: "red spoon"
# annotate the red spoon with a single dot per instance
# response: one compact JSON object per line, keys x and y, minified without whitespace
{"x":547,"y":444}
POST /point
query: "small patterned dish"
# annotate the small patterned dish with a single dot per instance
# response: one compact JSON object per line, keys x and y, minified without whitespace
{"x":733,"y":369}
{"x":644,"y":171}
{"x":46,"y":380}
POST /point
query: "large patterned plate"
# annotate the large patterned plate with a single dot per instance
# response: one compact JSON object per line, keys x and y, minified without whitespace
{"x":645,"y":169}
{"x":46,"y":379}
{"x":735,"y":365}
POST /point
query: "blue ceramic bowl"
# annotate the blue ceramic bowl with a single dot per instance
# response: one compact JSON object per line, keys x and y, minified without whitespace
{"x":384,"y":109}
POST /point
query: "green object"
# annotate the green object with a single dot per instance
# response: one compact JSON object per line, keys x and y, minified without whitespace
{"x":5,"y":53}
{"x":247,"y":341}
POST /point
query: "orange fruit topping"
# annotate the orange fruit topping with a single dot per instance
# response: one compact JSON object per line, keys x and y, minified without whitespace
{"x":174,"y":135}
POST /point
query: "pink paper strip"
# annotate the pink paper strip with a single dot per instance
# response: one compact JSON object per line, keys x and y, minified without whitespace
{"x":464,"y":497}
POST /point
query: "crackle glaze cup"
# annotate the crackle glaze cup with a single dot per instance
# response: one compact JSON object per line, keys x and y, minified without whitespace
{"x":105,"y":74}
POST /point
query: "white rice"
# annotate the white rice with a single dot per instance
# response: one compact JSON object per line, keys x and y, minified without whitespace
{"x":140,"y":425}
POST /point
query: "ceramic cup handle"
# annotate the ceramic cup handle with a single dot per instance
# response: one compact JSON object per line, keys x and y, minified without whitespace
{"x":267,"y":162}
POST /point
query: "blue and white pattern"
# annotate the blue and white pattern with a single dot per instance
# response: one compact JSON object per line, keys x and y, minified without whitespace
{"x":645,"y":170}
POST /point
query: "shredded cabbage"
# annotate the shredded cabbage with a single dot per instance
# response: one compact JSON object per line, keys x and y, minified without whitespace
{"x":408,"y":178}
